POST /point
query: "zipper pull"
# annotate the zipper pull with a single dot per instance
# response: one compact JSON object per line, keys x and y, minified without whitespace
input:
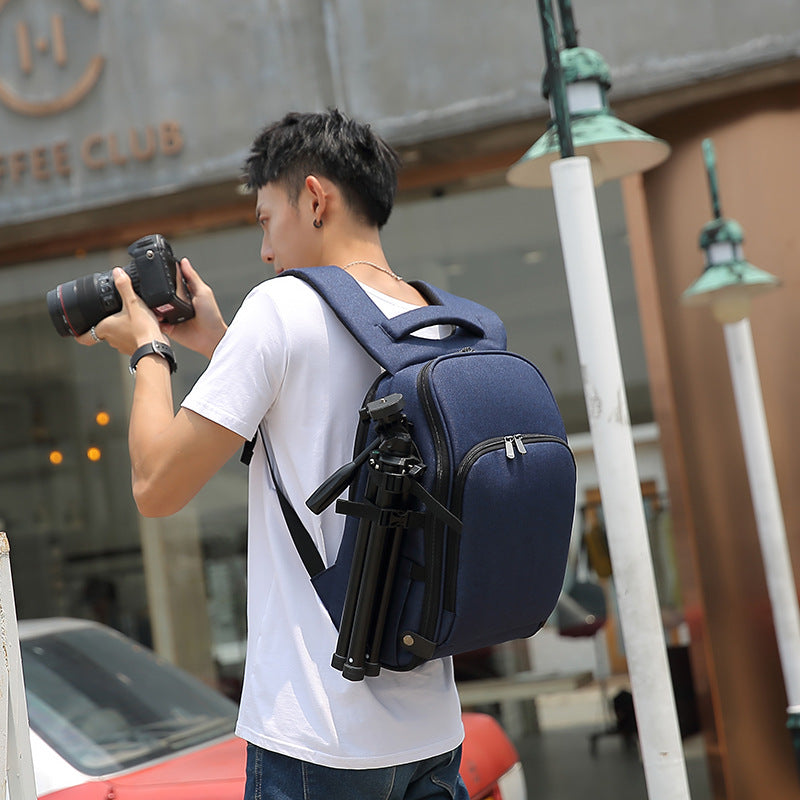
{"x":520,"y":444}
{"x":509,"y":440}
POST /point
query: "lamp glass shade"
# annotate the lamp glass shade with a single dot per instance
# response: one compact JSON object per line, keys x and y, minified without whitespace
{"x":585,"y":97}
{"x":729,"y":287}
{"x":723,"y":253}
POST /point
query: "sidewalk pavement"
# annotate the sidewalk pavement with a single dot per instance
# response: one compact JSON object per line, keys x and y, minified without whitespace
{"x":558,"y":760}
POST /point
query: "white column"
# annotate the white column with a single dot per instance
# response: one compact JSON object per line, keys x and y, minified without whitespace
{"x":609,"y":421}
{"x":17,"y":776}
{"x":766,"y":502}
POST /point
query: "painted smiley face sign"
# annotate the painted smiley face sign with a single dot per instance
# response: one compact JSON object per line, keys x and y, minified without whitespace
{"x":38,"y":43}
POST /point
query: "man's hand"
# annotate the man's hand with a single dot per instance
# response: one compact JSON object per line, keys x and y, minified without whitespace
{"x":129,"y":328}
{"x":136,"y":324}
{"x":203,"y":332}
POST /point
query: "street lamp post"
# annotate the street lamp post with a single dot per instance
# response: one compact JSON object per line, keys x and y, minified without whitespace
{"x":728,"y":285}
{"x":604,"y":388}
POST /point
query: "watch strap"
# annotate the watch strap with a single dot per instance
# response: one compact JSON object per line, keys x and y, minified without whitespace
{"x":156,"y":348}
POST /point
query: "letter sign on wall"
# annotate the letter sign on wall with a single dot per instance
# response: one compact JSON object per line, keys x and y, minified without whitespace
{"x":36,"y":42}
{"x":52,"y":153}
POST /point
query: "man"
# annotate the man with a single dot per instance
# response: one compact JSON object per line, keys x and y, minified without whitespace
{"x":325,"y":185}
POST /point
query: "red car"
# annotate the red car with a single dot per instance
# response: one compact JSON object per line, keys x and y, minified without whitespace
{"x":112,"y":721}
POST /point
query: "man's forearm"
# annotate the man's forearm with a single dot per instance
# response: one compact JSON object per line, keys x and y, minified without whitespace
{"x":173,"y":455}
{"x":152,"y":412}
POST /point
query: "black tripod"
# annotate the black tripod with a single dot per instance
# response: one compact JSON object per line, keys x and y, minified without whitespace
{"x":384,"y":514}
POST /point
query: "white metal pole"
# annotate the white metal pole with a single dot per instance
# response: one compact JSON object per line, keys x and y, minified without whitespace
{"x":4,"y":726}
{"x":766,"y":503}
{"x":609,"y":421}
{"x":17,"y":740}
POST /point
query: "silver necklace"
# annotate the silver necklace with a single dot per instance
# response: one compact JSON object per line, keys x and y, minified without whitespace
{"x":370,"y":264}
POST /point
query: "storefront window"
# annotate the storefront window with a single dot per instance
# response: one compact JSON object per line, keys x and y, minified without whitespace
{"x":63,"y":454}
{"x":79,"y":547}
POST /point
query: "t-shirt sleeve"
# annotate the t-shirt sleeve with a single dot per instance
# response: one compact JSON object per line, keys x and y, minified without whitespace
{"x":246,"y":370}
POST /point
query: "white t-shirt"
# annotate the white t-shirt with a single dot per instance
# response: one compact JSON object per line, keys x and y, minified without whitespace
{"x":288,"y":361}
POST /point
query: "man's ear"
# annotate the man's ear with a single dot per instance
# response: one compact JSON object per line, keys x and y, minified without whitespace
{"x":319,"y":192}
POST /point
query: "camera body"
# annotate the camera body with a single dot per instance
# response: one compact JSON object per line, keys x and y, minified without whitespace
{"x":77,"y":305}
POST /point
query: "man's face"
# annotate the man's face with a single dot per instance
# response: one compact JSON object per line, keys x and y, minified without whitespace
{"x":287,"y":229}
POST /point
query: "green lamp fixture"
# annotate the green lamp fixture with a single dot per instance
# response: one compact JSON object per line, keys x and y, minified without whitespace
{"x":728,"y":282}
{"x":614,"y":147}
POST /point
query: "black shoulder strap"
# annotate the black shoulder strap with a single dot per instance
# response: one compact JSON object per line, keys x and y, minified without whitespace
{"x":309,"y":554}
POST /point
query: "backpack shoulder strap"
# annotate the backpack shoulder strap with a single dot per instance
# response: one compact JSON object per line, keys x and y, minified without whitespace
{"x":476,"y":326}
{"x":307,"y":550}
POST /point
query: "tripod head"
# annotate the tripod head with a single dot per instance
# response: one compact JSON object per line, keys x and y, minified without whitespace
{"x":386,"y":410}
{"x":394,"y":439}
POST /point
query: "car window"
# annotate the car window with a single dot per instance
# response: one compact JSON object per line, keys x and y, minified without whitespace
{"x":105,"y":703}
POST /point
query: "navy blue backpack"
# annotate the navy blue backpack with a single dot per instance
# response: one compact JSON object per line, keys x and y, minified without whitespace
{"x":483,"y":532}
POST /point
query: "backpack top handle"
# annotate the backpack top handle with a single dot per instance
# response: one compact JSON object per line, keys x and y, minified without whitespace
{"x":476,"y":327}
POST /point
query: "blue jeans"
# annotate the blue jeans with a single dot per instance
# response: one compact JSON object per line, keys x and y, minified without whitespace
{"x":271,"y":776}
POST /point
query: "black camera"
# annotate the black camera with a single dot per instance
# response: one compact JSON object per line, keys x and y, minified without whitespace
{"x":77,"y":305}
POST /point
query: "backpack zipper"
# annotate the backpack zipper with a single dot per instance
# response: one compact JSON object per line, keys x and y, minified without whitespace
{"x":362,"y":431}
{"x":513,"y":445}
{"x":437,"y":431}
{"x":435,"y":558}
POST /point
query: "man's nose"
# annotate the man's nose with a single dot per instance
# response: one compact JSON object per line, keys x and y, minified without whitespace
{"x":267,"y":254}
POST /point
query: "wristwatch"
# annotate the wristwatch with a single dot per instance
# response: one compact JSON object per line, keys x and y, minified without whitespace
{"x":155,"y":348}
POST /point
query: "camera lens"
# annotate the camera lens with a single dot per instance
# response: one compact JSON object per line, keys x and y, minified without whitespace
{"x":77,"y":305}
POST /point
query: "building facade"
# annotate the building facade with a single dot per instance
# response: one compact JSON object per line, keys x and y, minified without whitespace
{"x":119,"y":119}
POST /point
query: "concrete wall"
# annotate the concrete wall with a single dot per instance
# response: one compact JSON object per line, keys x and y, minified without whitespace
{"x":104,"y":102}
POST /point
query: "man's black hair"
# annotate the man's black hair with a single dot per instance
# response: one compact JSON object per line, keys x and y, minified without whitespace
{"x":329,"y":145}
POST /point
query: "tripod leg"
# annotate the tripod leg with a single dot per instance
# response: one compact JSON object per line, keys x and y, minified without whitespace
{"x":351,"y":596}
{"x":394,"y":494}
{"x":354,"y":669}
{"x":373,"y":666}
